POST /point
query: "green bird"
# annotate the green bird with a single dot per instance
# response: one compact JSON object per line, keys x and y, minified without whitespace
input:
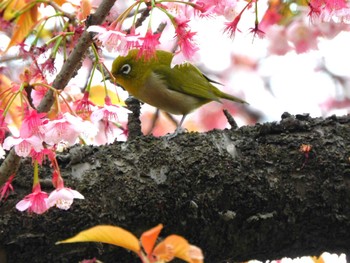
{"x":177,"y":90}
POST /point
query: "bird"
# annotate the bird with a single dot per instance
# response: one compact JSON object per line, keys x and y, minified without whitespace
{"x":178,"y":89}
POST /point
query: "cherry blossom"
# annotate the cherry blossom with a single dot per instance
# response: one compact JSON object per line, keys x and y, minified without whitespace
{"x":6,"y":188}
{"x":149,"y":44}
{"x":63,"y":198}
{"x":106,"y":118}
{"x":111,"y":37}
{"x":35,"y":202}
{"x":185,"y":38}
{"x":303,"y":37}
{"x":84,"y":106}
{"x":66,"y":128}
{"x":31,"y":123}
{"x":23,"y":146}
{"x":278,"y":43}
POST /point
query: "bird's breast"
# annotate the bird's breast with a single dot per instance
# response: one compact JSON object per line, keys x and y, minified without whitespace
{"x":156,"y":93}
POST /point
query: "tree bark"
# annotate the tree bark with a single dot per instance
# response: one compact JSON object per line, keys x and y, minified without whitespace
{"x":241,"y":194}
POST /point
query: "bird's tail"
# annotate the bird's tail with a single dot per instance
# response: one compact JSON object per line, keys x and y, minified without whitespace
{"x":226,"y":96}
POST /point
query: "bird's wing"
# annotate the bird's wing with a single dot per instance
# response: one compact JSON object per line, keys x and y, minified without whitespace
{"x":187,"y":79}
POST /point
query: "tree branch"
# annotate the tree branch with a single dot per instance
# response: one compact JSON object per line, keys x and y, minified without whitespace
{"x":237,"y":194}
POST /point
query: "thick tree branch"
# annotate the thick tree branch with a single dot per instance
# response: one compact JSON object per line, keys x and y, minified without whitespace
{"x":238,"y":194}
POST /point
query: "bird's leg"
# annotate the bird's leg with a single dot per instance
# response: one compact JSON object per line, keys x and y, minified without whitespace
{"x":178,"y":130}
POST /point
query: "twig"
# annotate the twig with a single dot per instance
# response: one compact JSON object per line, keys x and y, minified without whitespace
{"x":9,"y":58}
{"x":230,"y":120}
{"x":71,"y":17}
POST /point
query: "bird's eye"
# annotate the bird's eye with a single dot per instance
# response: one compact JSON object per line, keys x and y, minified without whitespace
{"x":125,"y":69}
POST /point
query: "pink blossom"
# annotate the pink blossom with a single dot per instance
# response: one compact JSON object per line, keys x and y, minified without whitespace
{"x":327,"y":9}
{"x":63,"y":197}
{"x":84,"y":106}
{"x":6,"y":188}
{"x":106,"y":119}
{"x":271,"y":17}
{"x":23,"y":146}
{"x":185,"y":38}
{"x":39,"y":156}
{"x":49,"y":66}
{"x":132,"y":41}
{"x":110,"y":112}
{"x":303,"y":37}
{"x":35,"y":202}
{"x":231,"y":27}
{"x":342,"y":14}
{"x":38,"y":94}
{"x":31,"y":123}
{"x":256,"y":31}
{"x":67,"y":128}
{"x":278,"y":43}
{"x":108,"y":132}
{"x":112,"y":38}
{"x":214,"y":7}
{"x":331,"y":29}
{"x":149,"y":44}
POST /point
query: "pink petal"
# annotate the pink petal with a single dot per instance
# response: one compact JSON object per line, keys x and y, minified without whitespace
{"x":23,"y":205}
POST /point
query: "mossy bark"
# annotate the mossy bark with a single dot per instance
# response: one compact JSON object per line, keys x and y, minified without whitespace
{"x":238,"y":194}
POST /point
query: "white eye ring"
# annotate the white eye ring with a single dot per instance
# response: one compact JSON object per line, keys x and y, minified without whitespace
{"x":125,"y":69}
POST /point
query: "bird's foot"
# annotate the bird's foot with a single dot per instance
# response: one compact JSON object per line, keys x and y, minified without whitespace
{"x":179,"y":130}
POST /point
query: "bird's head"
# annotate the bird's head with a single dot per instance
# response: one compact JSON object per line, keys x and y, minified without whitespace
{"x":132,"y":71}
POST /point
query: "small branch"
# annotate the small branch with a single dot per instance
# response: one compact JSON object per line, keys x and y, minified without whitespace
{"x":134,"y":123}
{"x":160,"y":28}
{"x":9,"y":166}
{"x":9,"y":58}
{"x":230,"y":120}
{"x":71,"y":17}
{"x":142,"y":18}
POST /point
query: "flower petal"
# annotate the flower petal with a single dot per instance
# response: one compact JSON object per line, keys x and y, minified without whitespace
{"x":23,"y":205}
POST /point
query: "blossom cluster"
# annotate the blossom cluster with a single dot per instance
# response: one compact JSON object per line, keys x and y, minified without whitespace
{"x":285,"y":28}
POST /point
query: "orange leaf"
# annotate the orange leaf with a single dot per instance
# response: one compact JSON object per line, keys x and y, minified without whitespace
{"x":5,"y":98}
{"x":173,"y":246}
{"x":149,"y":238}
{"x":196,"y":254}
{"x":317,"y":259}
{"x":107,"y":234}
{"x":60,"y":2}
{"x":25,"y":24}
{"x":85,"y":9}
{"x":12,"y":7}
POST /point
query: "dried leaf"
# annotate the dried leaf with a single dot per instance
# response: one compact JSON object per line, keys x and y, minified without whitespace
{"x":173,"y":246}
{"x":317,"y":259}
{"x":25,"y":24}
{"x":107,"y":234}
{"x":60,"y":2}
{"x":149,"y":238}
{"x":5,"y":98}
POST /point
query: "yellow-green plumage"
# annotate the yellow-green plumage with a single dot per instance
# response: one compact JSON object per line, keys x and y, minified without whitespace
{"x":177,"y":90}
